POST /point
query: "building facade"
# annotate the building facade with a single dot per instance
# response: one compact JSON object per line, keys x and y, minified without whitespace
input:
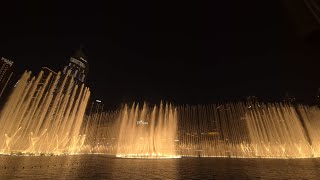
{"x":77,"y":67}
{"x":46,"y":72}
{"x":5,"y":73}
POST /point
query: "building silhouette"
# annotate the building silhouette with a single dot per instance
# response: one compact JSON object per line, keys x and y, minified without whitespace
{"x":5,"y":73}
{"x":46,"y":72}
{"x":77,"y":67}
{"x":318,"y":97}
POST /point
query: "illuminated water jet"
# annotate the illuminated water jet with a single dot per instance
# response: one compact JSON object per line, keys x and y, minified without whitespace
{"x":43,"y":118}
{"x":147,"y":132}
{"x":48,"y":118}
{"x":242,"y":130}
{"x":235,"y":130}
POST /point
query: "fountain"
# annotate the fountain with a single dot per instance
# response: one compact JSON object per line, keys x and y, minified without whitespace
{"x":134,"y":132}
{"x":237,"y":130}
{"x":43,"y":115}
{"x":272,"y":130}
{"x":147,"y":132}
{"x":46,"y":115}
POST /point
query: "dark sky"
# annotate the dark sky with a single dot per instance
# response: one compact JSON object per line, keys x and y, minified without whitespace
{"x":184,"y":52}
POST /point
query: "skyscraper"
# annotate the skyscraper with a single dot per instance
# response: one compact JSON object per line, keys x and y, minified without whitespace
{"x":318,"y":97}
{"x":77,"y":67}
{"x":46,"y":72}
{"x":5,"y":73}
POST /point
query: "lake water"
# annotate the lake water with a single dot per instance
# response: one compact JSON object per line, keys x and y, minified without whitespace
{"x":103,"y":167}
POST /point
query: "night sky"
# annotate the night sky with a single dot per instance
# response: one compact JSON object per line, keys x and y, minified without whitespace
{"x":182,"y":52}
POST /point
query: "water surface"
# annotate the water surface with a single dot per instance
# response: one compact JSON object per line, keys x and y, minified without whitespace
{"x":103,"y":167}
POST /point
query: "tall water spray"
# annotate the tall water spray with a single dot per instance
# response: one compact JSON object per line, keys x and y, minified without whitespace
{"x":242,"y":130}
{"x":239,"y":130}
{"x":102,"y":131}
{"x":43,"y":115}
{"x":147,"y":132}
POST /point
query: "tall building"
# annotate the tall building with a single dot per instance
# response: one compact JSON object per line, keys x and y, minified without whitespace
{"x":42,"y":84}
{"x":46,"y":72}
{"x":77,"y":67}
{"x":318,"y":97}
{"x":5,"y":73}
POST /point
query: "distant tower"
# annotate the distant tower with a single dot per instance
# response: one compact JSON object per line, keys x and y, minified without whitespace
{"x":318,"y":97}
{"x":77,"y":67}
{"x":46,"y":72}
{"x":5,"y":73}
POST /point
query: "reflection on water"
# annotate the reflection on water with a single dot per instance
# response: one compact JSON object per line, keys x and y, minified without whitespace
{"x":103,"y":167}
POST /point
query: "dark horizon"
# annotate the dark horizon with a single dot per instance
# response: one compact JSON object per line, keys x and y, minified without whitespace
{"x":185,"y":53}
